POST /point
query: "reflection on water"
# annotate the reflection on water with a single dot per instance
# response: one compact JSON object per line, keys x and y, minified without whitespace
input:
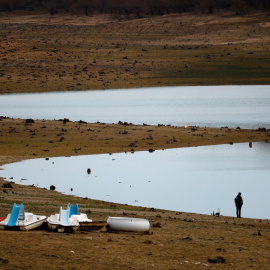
{"x":199,"y":179}
{"x":211,"y":106}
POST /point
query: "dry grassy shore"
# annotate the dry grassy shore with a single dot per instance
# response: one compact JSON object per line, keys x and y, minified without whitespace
{"x":182,"y":241}
{"x":28,"y":138}
{"x":39,"y":53}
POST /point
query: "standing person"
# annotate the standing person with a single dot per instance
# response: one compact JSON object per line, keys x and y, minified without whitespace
{"x":238,"y":203}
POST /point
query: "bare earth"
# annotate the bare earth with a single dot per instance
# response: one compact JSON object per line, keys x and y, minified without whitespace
{"x":39,"y":52}
{"x":44,"y":53}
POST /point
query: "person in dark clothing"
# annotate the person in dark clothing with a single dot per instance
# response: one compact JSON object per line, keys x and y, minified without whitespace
{"x":238,"y":203}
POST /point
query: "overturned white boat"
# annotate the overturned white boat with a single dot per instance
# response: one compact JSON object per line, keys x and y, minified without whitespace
{"x":21,"y":220}
{"x":127,"y":224}
{"x":67,"y":219}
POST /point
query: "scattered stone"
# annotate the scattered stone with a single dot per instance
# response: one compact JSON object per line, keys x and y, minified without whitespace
{"x":133,"y":145}
{"x":82,"y":122}
{"x":65,"y":120}
{"x":219,"y":259}
{"x":221,"y":249}
{"x":29,"y":121}
{"x":187,"y":238}
{"x":157,"y":225}
{"x":148,"y":242}
{"x":7,"y":185}
{"x":3,"y":260}
{"x":262,"y":129}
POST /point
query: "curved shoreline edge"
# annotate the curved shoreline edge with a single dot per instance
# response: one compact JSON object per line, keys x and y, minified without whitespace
{"x":27,"y":138}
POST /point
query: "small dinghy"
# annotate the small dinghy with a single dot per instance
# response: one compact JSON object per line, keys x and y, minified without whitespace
{"x":21,"y":220}
{"x":127,"y":224}
{"x":67,"y":219}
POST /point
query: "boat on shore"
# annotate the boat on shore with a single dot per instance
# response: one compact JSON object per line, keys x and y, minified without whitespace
{"x":126,"y":224}
{"x":67,"y":219}
{"x":21,"y":220}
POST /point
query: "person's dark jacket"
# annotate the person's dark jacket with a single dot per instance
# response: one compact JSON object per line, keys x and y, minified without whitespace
{"x":238,"y":201}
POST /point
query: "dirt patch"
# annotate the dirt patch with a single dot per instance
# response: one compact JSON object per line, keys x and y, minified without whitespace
{"x":40,"y":52}
{"x":24,"y":139}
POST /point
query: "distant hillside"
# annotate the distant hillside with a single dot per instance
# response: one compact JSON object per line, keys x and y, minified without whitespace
{"x":135,"y":8}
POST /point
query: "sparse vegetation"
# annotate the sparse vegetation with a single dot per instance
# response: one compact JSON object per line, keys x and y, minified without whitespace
{"x":24,"y":139}
{"x":40,"y":52}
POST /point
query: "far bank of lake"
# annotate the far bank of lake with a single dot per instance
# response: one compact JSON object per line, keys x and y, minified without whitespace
{"x":204,"y":106}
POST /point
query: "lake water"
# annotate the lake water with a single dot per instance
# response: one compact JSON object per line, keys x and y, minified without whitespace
{"x":211,"y":106}
{"x":197,"y":179}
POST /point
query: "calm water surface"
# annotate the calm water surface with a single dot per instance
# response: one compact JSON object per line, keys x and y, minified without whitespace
{"x":197,"y":179}
{"x":211,"y":106}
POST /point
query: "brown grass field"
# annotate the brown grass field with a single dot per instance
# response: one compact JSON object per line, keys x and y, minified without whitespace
{"x":40,"y":52}
{"x":58,"y":53}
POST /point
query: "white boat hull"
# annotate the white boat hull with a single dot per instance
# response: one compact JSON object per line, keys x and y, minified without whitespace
{"x":128,"y":224}
{"x":32,"y":225}
{"x":30,"y":222}
{"x":54,"y":222}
